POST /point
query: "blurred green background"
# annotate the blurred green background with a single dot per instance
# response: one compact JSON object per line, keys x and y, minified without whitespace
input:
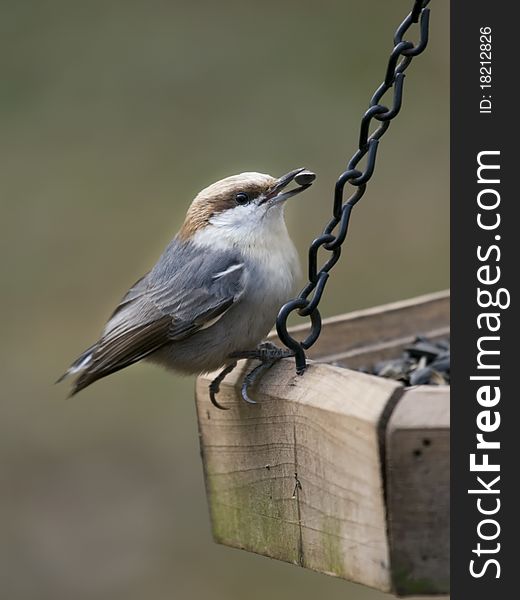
{"x":113,"y":114}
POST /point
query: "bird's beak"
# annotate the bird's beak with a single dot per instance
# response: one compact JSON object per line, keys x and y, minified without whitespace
{"x":301,"y":177}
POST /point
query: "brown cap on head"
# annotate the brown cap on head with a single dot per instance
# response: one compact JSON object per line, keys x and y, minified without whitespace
{"x":221,"y":196}
{"x":256,"y":190}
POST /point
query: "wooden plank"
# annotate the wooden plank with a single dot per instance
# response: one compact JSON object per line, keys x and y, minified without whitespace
{"x":417,"y":466}
{"x":298,"y":476}
{"x":350,"y":335}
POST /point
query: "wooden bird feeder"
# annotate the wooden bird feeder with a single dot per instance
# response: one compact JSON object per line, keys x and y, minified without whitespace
{"x":338,"y":471}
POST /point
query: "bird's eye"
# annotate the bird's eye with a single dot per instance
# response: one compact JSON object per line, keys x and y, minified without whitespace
{"x":242,"y":198}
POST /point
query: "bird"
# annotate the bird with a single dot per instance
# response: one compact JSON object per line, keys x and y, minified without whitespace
{"x":215,"y":292}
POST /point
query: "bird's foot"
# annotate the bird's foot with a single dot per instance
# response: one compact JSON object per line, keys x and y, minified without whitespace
{"x":265,"y":352}
{"x":214,"y":386}
{"x":268,"y":354}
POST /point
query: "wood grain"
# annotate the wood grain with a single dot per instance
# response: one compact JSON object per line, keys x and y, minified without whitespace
{"x":321,"y":473}
{"x":298,"y":476}
{"x":418,"y":490}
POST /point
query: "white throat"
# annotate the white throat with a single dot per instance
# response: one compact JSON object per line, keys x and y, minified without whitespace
{"x":248,"y":229}
{"x":264,"y":240}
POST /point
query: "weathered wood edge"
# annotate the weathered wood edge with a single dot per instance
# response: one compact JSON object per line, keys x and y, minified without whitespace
{"x":418,"y":491}
{"x":344,"y":339}
{"x":403,"y":424}
{"x":282,"y":387}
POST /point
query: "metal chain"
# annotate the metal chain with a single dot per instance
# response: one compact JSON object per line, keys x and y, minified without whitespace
{"x":335,"y":232}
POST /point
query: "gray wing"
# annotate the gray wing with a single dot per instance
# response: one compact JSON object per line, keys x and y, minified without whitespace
{"x":187,"y":290}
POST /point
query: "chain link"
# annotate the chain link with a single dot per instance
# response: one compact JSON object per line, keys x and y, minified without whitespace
{"x":334,"y":234}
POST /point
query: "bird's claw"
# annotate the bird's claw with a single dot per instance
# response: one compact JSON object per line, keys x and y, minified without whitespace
{"x":251,"y":378}
{"x":244,"y":393}
{"x":267,"y":353}
{"x":212,"y":396}
{"x":214,"y":386}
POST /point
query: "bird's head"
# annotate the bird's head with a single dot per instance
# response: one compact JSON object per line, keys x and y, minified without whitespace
{"x":242,"y":208}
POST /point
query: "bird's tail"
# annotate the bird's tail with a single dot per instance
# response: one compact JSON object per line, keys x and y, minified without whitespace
{"x":78,"y":366}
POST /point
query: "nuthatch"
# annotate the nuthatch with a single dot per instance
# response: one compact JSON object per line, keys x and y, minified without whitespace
{"x":214,"y":293}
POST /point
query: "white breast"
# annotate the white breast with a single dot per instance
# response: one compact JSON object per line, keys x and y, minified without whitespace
{"x":264,"y":242}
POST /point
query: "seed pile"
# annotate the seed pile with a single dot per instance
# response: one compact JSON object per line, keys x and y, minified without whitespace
{"x":423,"y":363}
